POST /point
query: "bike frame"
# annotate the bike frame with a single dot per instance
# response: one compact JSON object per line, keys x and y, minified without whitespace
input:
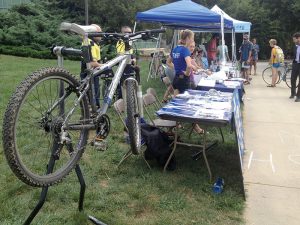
{"x":88,"y":84}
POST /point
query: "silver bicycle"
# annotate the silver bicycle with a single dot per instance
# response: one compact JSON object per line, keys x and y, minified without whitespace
{"x":50,"y":114}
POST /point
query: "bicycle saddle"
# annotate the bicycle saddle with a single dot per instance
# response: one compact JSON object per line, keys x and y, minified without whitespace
{"x":78,"y":29}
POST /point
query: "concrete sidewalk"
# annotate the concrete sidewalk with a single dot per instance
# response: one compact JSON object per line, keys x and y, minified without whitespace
{"x":272,"y":158}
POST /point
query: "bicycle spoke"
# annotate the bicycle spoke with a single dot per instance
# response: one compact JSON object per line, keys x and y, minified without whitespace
{"x":46,"y":94}
{"x":33,"y":107}
{"x":39,"y":100}
{"x":30,"y":123}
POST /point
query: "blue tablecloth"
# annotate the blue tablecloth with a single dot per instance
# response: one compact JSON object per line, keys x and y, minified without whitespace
{"x":223,"y":88}
{"x":197,"y":106}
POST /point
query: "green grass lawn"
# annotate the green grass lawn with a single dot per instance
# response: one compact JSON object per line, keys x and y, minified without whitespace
{"x":131,"y":194}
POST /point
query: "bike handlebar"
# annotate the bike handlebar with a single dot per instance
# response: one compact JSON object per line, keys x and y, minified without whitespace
{"x":71,"y":51}
{"x":156,"y":31}
{"x":63,"y":51}
{"x":144,"y":34}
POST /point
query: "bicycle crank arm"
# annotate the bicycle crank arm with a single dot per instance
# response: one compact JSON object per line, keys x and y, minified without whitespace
{"x":80,"y":127}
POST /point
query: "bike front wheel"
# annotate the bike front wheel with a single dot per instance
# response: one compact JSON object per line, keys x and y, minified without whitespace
{"x":32,"y":127}
{"x":288,"y":77}
{"x":281,"y":70}
{"x":133,"y":116}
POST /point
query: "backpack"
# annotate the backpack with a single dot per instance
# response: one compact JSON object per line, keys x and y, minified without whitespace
{"x":158,"y":145}
{"x":279,"y":55}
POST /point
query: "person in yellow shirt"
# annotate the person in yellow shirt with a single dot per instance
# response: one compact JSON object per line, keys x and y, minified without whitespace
{"x":121,"y":50}
{"x":274,"y":62}
{"x":96,"y":57}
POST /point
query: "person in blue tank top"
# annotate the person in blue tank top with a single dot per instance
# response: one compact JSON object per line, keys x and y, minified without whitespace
{"x":180,"y":60}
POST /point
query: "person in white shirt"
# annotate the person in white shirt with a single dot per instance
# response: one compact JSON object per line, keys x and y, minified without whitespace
{"x":220,"y":54}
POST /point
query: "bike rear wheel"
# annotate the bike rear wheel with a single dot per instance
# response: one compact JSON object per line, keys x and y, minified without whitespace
{"x":133,"y":116}
{"x":288,"y":78}
{"x":281,"y":73}
{"x":32,"y":127}
{"x":267,"y":76}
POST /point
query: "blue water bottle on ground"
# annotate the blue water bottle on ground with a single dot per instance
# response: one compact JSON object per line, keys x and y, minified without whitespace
{"x":218,"y":186}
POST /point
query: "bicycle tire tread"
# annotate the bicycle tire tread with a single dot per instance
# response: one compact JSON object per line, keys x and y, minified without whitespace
{"x":9,"y":122}
{"x":132,"y":128}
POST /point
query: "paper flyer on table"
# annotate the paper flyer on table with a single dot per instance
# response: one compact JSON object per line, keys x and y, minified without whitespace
{"x":232,"y":83}
{"x":219,"y":105}
{"x":196,"y":101}
{"x":209,"y":114}
{"x":220,"y":75}
{"x":197,"y":78}
{"x":207,"y":83}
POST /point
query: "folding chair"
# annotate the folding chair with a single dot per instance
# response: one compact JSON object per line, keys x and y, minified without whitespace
{"x":170,"y":90}
{"x":149,"y":100}
{"x":120,"y":109}
{"x":153,"y":92}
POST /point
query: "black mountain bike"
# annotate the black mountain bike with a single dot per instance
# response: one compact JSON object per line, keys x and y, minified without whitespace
{"x":50,"y":114}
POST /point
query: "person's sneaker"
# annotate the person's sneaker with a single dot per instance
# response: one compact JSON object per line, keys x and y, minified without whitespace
{"x":292,"y":96}
{"x":297,"y":99}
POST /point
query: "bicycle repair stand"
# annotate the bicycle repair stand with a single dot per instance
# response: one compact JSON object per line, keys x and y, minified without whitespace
{"x":44,"y":192}
{"x":50,"y":167}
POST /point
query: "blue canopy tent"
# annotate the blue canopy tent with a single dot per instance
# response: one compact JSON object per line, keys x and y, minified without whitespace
{"x":186,"y":14}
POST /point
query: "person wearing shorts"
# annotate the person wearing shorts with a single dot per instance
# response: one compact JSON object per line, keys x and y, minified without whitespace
{"x":274,"y":62}
{"x":254,"y":55}
{"x":245,"y":50}
{"x":180,"y":59}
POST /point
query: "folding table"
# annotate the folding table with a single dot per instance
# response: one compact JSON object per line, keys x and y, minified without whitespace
{"x":207,"y":108}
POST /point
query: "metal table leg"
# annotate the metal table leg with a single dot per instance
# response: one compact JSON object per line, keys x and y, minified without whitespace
{"x":174,"y":147}
{"x":204,"y":155}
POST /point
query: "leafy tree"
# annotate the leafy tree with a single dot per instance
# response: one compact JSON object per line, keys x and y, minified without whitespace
{"x":35,"y":25}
